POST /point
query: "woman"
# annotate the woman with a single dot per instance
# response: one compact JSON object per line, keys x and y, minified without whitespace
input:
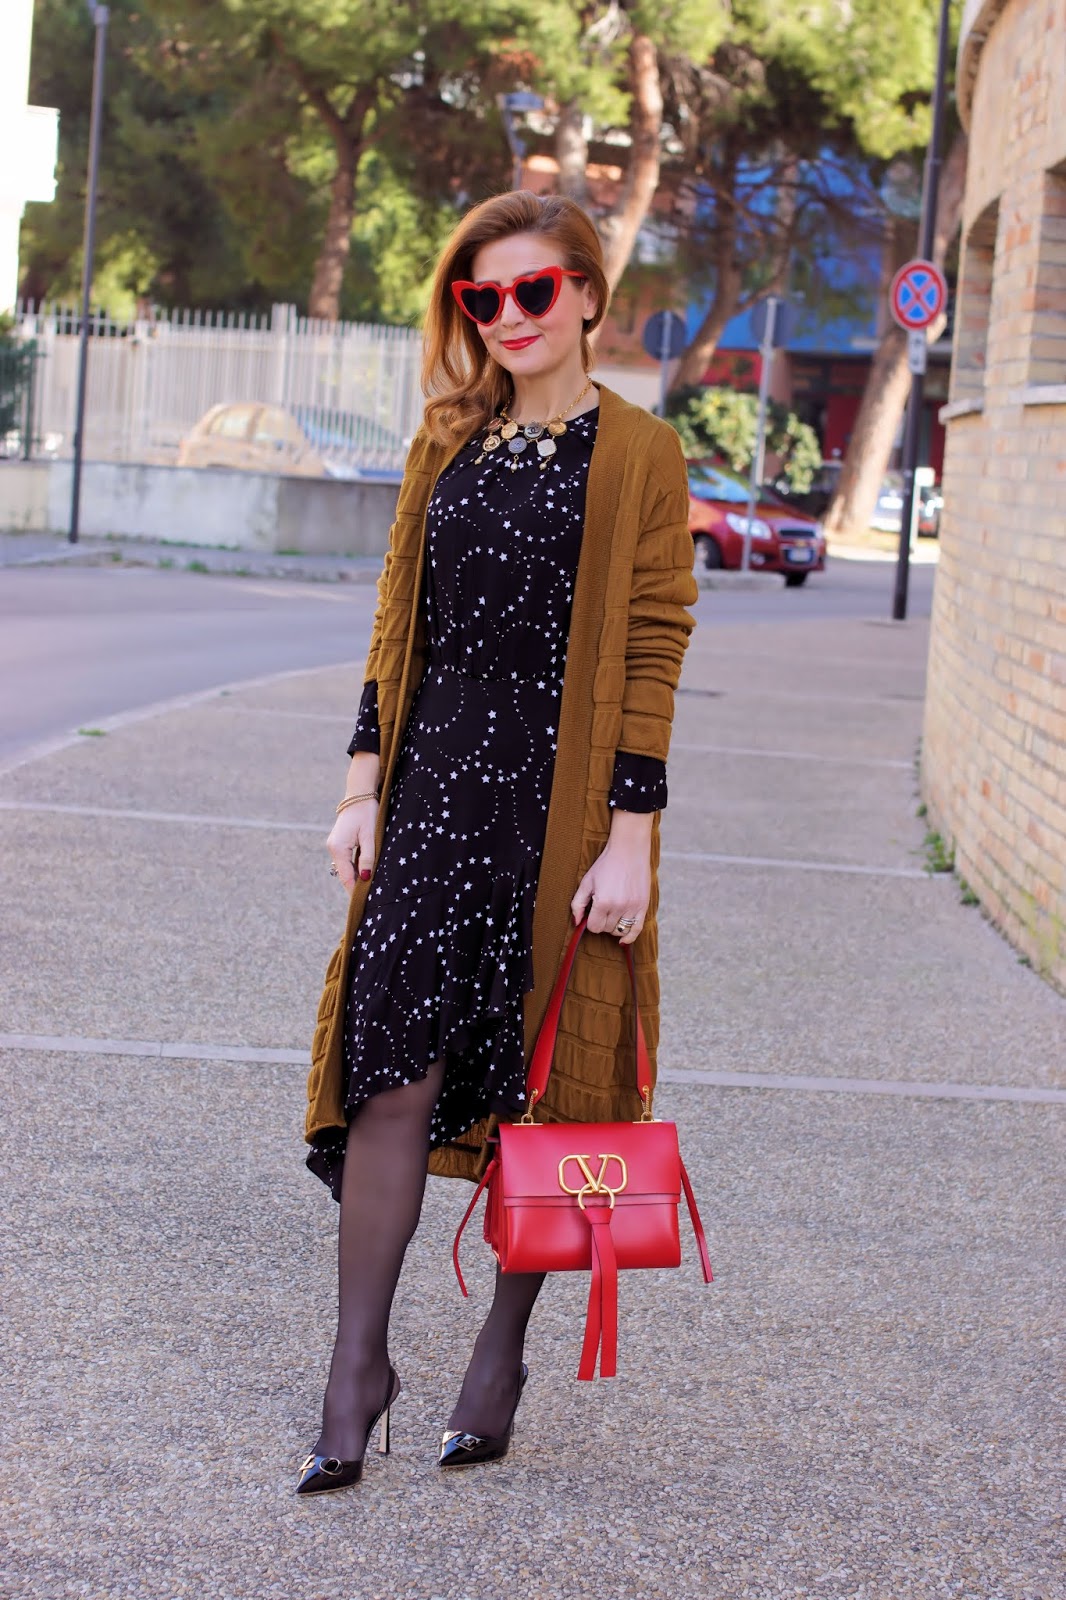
{"x":507,"y":771}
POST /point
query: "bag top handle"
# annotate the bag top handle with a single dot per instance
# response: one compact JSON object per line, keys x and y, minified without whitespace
{"x":544,"y":1050}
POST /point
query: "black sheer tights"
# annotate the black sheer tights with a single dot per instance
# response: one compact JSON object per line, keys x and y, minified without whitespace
{"x":381,"y":1199}
{"x":490,"y":1388}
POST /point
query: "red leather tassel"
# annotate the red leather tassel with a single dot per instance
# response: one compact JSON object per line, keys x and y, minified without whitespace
{"x":601,"y":1322}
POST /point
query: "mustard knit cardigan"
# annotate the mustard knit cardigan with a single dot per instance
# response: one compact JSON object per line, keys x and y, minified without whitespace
{"x":628,"y":633}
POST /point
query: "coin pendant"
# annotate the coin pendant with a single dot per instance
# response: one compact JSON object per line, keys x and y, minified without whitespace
{"x":533,"y":430}
{"x":493,"y":442}
{"x":516,"y":446}
{"x":546,"y":447}
{"x":509,"y":430}
{"x":556,"y":428}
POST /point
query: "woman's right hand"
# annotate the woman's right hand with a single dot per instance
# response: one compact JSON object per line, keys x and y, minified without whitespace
{"x":351,"y":843}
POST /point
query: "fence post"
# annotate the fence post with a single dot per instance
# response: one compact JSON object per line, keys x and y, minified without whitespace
{"x":281,"y":321}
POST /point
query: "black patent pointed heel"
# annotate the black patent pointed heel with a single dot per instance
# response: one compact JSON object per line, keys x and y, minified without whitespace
{"x":326,"y":1474}
{"x":459,"y":1449}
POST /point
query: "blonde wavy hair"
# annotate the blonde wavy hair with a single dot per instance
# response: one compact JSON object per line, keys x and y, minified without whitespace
{"x":464,"y":386}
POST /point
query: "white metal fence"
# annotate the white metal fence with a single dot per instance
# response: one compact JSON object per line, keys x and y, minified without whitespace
{"x":353,"y":387}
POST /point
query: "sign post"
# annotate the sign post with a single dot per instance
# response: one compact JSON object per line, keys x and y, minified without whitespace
{"x":664,"y":338}
{"x":919,"y":295}
{"x":767,"y":320}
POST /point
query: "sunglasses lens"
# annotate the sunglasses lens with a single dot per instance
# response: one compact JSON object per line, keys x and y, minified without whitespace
{"x":481,"y":304}
{"x":535,"y":295}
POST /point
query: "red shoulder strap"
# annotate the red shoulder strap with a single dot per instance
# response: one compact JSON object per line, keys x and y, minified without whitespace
{"x":697,"y":1227}
{"x":544,"y":1050}
{"x":490,"y":1169}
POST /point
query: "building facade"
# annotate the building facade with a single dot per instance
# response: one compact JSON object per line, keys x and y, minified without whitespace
{"x":994,"y":748}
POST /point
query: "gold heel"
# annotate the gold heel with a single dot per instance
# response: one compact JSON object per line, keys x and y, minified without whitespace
{"x":385,"y":1434}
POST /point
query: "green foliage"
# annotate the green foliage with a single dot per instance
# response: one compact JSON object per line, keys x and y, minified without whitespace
{"x":577,"y":52}
{"x":862,"y":69}
{"x":220,"y":128}
{"x":162,"y":233}
{"x":397,"y":237}
{"x":722,"y":423}
{"x":17,"y":359}
{"x":939,"y":855}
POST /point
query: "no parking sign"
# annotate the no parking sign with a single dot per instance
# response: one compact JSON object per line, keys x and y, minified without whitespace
{"x":918,"y":295}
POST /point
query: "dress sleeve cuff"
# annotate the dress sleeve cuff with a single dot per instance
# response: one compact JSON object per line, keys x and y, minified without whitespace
{"x":367,"y":735}
{"x":639,"y":783}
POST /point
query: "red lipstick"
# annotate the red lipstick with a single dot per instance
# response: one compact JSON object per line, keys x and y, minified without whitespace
{"x":519,"y":344}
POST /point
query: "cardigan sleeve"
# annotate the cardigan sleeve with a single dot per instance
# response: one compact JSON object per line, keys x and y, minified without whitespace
{"x":659,"y":625}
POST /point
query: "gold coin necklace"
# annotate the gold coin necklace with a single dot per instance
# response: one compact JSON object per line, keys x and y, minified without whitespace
{"x":519,"y":436}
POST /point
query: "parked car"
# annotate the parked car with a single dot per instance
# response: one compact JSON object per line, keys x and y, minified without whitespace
{"x":814,"y":500}
{"x":249,"y":436}
{"x":342,"y":437}
{"x":930,"y":505}
{"x":888,"y":512}
{"x":782,"y":540}
{"x":888,"y":508}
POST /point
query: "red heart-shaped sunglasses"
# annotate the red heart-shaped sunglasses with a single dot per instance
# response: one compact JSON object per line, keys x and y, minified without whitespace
{"x":535,"y":294}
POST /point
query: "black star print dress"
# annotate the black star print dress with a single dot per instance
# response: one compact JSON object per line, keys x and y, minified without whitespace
{"x":443,"y":953}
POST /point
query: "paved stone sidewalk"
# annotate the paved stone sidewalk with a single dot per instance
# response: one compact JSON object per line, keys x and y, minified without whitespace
{"x":863,"y":1407}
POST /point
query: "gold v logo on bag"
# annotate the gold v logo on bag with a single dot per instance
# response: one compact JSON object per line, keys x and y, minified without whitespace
{"x":595,"y":1183}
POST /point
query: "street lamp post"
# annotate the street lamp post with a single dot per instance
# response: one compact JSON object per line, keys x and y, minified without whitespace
{"x":101,"y":16}
{"x":913,"y":427}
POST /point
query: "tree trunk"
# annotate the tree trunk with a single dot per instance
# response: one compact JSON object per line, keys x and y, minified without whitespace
{"x":619,"y":230}
{"x":572,"y":153}
{"x":325,"y":299}
{"x":346,"y":130}
{"x":728,"y":277}
{"x":700,"y":353}
{"x":727,"y":286}
{"x":888,"y":384}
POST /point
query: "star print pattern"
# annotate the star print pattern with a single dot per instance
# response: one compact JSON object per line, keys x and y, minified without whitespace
{"x":443,"y":954}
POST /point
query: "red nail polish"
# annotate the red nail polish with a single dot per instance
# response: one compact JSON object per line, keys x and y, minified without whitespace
{"x":365,"y":876}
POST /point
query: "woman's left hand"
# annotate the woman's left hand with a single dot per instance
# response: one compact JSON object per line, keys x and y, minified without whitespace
{"x":618,"y":883}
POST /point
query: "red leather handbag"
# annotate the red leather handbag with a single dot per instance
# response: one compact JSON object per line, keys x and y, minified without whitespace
{"x":574,"y":1196}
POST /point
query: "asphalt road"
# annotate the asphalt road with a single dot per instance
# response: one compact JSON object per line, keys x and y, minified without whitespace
{"x":80,"y":645}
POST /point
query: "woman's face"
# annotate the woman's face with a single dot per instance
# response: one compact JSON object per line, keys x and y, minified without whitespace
{"x":532,"y":346}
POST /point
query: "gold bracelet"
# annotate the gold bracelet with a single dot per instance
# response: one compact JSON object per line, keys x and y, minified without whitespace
{"x":353,"y":799}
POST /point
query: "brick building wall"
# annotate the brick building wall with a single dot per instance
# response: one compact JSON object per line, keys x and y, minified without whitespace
{"x":994,"y":747}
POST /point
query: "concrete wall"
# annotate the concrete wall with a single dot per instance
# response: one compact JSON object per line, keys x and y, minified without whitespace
{"x":994,"y":750}
{"x":243,"y":510}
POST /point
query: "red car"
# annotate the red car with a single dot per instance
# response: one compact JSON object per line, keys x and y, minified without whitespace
{"x":782,"y":540}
